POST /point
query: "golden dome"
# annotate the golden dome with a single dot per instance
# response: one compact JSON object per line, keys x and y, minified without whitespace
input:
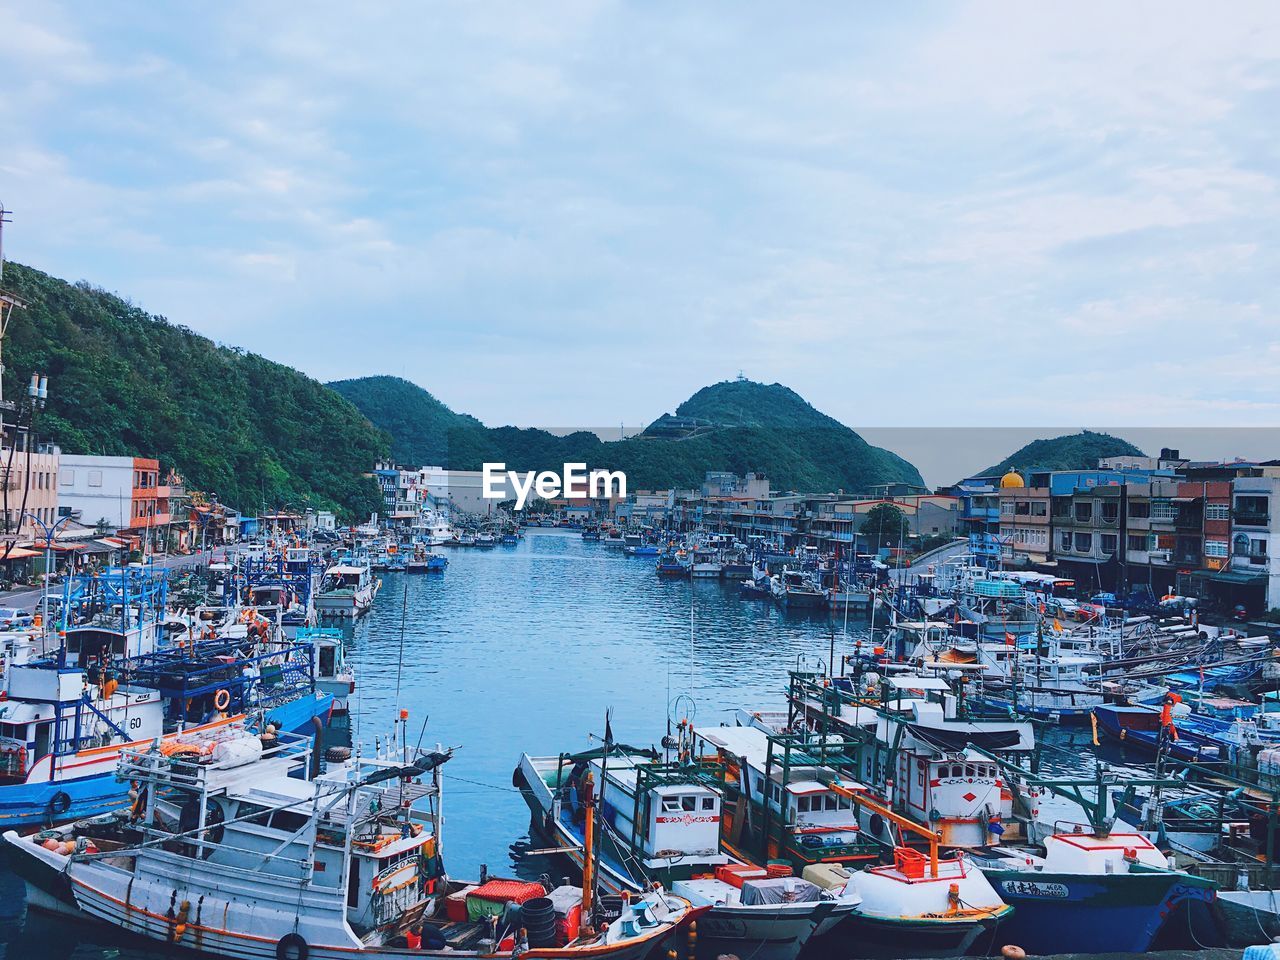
{"x":1011,"y":480}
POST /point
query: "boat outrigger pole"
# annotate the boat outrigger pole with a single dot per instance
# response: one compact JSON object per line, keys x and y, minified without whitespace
{"x":588,"y":847}
{"x":859,"y":796}
{"x":1096,"y":809}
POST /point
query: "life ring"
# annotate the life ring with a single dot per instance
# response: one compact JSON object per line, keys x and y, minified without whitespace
{"x":292,"y":947}
{"x":222,"y":699}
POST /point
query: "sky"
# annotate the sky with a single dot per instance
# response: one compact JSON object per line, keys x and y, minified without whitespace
{"x":578,"y":213}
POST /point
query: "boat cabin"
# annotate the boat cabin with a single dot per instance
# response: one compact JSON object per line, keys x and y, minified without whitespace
{"x":793,"y":811}
{"x":670,"y":819}
{"x":53,"y":714}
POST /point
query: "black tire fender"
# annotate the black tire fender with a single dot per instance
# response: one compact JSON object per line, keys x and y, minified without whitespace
{"x":292,"y":947}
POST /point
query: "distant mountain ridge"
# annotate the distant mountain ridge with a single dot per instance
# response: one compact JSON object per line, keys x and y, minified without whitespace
{"x":1072,"y":451}
{"x":738,"y":426}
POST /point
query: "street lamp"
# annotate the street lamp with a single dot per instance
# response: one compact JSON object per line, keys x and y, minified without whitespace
{"x":50,"y":532}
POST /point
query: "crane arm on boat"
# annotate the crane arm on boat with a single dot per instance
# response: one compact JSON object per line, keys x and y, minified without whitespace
{"x":860,"y":796}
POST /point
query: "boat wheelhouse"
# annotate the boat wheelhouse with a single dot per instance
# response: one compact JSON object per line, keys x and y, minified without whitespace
{"x":347,"y":590}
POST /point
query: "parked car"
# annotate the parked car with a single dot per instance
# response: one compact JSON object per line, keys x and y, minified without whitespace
{"x":11,"y":618}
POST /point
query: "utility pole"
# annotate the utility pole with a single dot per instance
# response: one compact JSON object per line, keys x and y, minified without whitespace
{"x":4,"y":218}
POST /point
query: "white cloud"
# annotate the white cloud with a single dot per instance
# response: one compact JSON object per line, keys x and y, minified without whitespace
{"x":875,"y":206}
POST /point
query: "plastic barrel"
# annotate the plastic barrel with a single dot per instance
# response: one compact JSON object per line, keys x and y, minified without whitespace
{"x":539,"y":918}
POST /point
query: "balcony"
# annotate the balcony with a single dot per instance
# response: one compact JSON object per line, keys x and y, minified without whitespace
{"x":1251,"y":518}
{"x":1251,"y":559}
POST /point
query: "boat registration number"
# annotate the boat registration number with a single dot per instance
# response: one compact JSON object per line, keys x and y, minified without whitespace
{"x":1036,"y":888}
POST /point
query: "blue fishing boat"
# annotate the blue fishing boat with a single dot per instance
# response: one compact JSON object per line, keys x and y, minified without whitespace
{"x":1143,"y":727}
{"x":1091,"y":894}
{"x":672,"y":565}
{"x":115,"y":683}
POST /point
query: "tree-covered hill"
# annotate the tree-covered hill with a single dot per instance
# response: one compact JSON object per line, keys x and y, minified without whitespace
{"x":423,"y":430}
{"x":123,"y":382}
{"x":740,"y":426}
{"x":1072,"y":451}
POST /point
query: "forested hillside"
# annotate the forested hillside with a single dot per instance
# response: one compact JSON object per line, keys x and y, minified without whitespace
{"x":124,"y":382}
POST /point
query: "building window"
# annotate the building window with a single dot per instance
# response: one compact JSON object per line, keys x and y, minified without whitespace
{"x":1109,"y":542}
{"x":1215,"y":548}
{"x":1006,"y":508}
{"x":67,"y":478}
{"x":1163,"y":510}
{"x":95,"y":478}
{"x":1139,"y":509}
{"x":1084,"y":511}
{"x":1217,"y":511}
{"x":1084,"y":542}
{"x":1249,"y":547}
{"x":1039,"y":509}
{"x":1141,"y":542}
{"x":1065,"y":541}
{"x":1110,"y":511}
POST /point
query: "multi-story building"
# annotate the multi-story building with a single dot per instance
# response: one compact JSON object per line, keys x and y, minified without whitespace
{"x":839,"y":521}
{"x":1255,"y":526}
{"x":1026,"y":530}
{"x":28,"y":489}
{"x":401,"y":493}
{"x":122,"y":493}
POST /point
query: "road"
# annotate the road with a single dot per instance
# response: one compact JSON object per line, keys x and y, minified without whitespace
{"x":949,"y":552}
{"x":28,"y":598}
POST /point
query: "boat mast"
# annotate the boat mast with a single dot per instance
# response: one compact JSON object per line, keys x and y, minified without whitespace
{"x":588,"y":854}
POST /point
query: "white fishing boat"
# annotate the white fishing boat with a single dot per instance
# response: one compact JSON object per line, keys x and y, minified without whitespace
{"x":665,"y":826}
{"x":705,"y":565}
{"x":940,"y":907}
{"x":333,"y":674}
{"x":347,"y":590}
{"x":434,"y":529}
{"x":229,"y":851}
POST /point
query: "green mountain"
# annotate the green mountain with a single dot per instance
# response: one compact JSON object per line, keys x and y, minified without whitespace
{"x":1072,"y":451}
{"x":123,"y":382}
{"x":424,"y":432}
{"x":739,"y":426}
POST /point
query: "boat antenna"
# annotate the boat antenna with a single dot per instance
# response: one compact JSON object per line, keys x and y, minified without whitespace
{"x":691,"y":635}
{"x":404,"y":615}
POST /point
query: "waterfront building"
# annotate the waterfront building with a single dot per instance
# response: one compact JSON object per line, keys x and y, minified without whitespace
{"x":1026,"y":533}
{"x":123,"y":494}
{"x":979,"y":505}
{"x":30,"y":487}
{"x":450,"y":491}
{"x":1255,"y":527}
{"x":401,"y":493}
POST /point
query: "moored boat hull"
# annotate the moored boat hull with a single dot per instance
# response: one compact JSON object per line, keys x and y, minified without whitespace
{"x":1073,"y":913}
{"x":891,"y":937}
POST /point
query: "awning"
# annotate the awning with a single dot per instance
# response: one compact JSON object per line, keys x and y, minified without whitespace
{"x":57,"y":547}
{"x":111,"y":544}
{"x":918,"y":683}
{"x":1235,"y":576}
{"x":19,"y":553}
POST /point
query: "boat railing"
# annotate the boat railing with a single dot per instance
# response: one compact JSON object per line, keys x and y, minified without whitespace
{"x":187,"y":760}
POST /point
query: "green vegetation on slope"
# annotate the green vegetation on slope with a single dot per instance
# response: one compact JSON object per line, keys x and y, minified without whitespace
{"x":123,"y":382}
{"x":1072,"y":451}
{"x":424,"y":432}
{"x":748,"y":427}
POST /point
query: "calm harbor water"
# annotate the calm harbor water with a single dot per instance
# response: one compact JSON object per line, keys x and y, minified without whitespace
{"x":524,"y":648}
